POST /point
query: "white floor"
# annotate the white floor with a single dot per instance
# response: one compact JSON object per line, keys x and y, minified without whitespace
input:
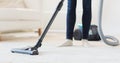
{"x":98,"y":52}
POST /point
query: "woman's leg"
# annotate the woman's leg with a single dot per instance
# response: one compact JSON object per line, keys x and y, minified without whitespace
{"x":71,"y":18}
{"x":86,"y":18}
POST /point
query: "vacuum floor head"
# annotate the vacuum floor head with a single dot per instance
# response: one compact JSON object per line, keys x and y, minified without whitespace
{"x":29,"y":51}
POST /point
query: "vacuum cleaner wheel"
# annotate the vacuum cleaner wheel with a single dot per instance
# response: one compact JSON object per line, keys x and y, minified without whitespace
{"x":77,"y":34}
{"x":93,"y":33}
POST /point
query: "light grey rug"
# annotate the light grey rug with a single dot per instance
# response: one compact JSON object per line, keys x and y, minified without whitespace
{"x":50,"y":53}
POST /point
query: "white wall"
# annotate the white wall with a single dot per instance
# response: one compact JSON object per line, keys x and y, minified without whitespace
{"x":110,"y":16}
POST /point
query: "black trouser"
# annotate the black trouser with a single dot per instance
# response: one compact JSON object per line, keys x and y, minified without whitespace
{"x":71,"y":18}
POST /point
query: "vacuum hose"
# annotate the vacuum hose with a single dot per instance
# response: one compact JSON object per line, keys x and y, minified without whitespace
{"x":114,"y":41}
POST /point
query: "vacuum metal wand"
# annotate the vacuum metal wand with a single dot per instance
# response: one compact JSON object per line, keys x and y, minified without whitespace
{"x":115,"y":41}
{"x":49,"y":24}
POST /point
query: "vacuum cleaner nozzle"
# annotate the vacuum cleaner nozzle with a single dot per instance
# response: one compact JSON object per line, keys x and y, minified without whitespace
{"x":29,"y":51}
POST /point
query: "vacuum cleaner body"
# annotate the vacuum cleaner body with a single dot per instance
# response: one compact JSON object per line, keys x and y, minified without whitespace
{"x":93,"y":33}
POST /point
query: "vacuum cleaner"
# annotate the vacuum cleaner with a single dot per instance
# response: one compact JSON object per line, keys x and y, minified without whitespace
{"x":34,"y":50}
{"x":93,"y":33}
